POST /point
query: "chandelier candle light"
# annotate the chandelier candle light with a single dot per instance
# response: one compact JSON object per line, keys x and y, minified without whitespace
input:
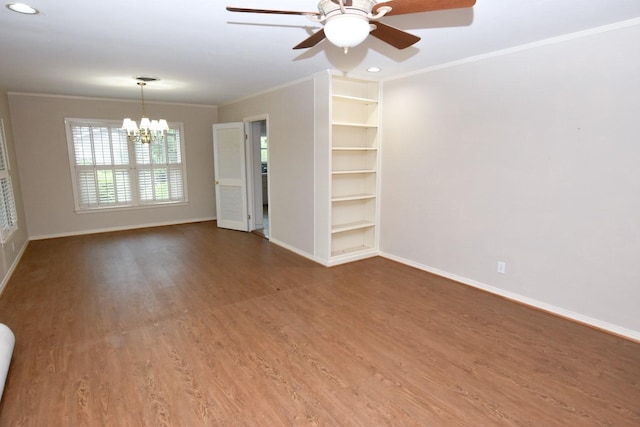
{"x":149,"y":130}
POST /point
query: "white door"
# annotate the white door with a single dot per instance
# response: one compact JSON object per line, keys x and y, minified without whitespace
{"x":230,"y":176}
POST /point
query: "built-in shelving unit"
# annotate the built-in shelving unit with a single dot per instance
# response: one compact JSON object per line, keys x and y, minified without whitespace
{"x":354,"y":165}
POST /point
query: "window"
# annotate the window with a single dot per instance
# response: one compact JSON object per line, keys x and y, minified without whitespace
{"x":263,"y":149}
{"x":8,"y":215}
{"x":264,"y":153}
{"x":110,"y":172}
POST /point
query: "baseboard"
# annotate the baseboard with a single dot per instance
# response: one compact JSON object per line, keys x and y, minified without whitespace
{"x":297,"y":251}
{"x":558,"y":311}
{"x":123,"y":228}
{"x":356,"y":256}
{"x":13,"y":266}
{"x":333,"y":262}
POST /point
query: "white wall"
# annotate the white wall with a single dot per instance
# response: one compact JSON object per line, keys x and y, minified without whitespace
{"x":41,"y":145}
{"x":12,"y":249}
{"x":291,"y":150}
{"x":531,"y":158}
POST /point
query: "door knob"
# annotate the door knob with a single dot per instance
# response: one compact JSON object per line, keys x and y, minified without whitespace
{"x":217,"y":182}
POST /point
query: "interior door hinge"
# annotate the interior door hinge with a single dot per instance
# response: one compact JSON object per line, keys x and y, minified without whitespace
{"x":248,"y":216}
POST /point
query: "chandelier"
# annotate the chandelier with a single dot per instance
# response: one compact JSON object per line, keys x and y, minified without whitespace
{"x":149,"y":130}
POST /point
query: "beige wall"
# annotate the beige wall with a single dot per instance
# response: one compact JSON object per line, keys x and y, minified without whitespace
{"x":41,"y":145}
{"x":530,"y":158}
{"x":11,"y":250}
{"x":291,"y":150}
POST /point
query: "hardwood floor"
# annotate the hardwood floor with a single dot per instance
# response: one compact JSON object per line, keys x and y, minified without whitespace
{"x":190,"y":325}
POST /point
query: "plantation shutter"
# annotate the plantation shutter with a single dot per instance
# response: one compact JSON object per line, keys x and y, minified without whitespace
{"x":111,"y":172}
{"x":8,"y":214}
{"x":160,"y":170}
{"x":102,"y":170}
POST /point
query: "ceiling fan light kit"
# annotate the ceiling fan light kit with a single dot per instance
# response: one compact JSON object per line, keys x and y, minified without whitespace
{"x":347,"y":31}
{"x":347,"y":23}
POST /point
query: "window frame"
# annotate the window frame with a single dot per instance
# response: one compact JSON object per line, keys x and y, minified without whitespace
{"x":133,"y":167}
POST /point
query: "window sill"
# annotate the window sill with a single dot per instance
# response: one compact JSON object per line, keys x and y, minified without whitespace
{"x":129,"y":208}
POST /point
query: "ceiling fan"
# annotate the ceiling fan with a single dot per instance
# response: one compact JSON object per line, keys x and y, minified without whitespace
{"x":347,"y":23}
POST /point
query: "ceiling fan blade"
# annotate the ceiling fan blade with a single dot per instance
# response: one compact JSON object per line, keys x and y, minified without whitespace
{"x":401,"y":7}
{"x":395,"y":37}
{"x":312,"y":40}
{"x":278,"y":12}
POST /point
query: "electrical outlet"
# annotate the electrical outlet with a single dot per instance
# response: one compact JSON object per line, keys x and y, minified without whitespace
{"x":502,"y":267}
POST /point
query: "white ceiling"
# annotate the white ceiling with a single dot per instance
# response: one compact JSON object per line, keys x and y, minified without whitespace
{"x":206,"y":55}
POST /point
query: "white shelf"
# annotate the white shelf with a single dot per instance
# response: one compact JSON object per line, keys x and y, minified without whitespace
{"x":355,"y":99}
{"x":353,"y":124}
{"x":354,"y":137}
{"x":353,"y":171}
{"x":354,"y":88}
{"x":354,"y":149}
{"x":351,"y":250}
{"x":354,"y":162}
{"x":353,"y":197}
{"x":357,"y":225}
{"x":345,"y":185}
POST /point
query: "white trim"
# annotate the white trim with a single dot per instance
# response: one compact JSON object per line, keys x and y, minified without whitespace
{"x":356,"y":256}
{"x":316,"y":76}
{"x":250,"y":163}
{"x":93,"y":98}
{"x":533,"y":45}
{"x":257,"y":118}
{"x":558,"y":311}
{"x":129,"y":208}
{"x":337,"y":261}
{"x":121,"y":228}
{"x":297,"y":251}
{"x":13,"y":266}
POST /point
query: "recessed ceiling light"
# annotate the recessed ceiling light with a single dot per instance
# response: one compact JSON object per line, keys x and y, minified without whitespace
{"x":373,"y":70}
{"x":22,"y":8}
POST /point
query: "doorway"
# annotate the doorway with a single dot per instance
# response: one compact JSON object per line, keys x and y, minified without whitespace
{"x":259,"y":143}
{"x":241,"y":173}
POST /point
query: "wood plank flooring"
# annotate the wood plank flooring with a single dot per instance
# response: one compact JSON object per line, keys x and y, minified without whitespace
{"x":190,"y":325}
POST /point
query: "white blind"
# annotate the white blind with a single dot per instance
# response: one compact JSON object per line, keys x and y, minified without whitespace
{"x":110,"y":172}
{"x":8,"y":214}
{"x":101,"y":166}
{"x":160,"y":170}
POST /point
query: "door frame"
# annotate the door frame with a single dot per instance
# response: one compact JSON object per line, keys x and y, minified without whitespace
{"x":253,"y":167}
